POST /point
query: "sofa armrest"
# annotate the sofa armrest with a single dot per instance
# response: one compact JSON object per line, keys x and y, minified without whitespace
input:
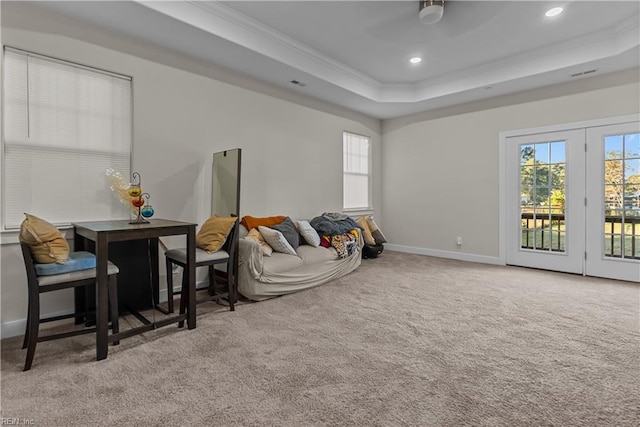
{"x":360,"y":240}
{"x":250,"y":257}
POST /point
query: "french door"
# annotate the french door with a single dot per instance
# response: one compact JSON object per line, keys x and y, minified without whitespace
{"x":545,"y":196}
{"x":573,"y":201}
{"x":613,"y":202}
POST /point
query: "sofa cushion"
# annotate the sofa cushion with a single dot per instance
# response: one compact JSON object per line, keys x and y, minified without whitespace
{"x":308,"y":233}
{"x":289,"y":231}
{"x":276,"y":240}
{"x":280,"y":263}
{"x":316,"y":255}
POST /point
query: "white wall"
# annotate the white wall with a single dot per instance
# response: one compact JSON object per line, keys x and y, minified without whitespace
{"x":435,"y":173}
{"x":441,"y":168}
{"x":291,"y":151}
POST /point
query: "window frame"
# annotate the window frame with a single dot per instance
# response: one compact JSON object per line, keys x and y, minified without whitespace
{"x":8,"y":231}
{"x":369,"y":174}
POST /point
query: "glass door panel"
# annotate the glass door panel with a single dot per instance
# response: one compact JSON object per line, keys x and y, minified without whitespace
{"x":622,"y":195}
{"x":542,"y":196}
{"x":613,"y":166}
{"x":545,"y":221}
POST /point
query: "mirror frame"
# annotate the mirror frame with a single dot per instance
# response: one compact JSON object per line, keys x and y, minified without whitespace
{"x":220,"y":156}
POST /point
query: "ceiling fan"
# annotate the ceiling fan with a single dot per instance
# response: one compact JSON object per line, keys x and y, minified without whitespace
{"x":431,"y":11}
{"x":403,"y":22}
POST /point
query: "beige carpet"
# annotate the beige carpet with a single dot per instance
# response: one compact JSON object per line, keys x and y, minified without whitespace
{"x":405,"y":340}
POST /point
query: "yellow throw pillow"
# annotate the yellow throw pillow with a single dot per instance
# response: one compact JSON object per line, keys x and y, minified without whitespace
{"x":46,"y":242}
{"x":255,"y":235}
{"x":214,"y":232}
{"x":366,"y":231}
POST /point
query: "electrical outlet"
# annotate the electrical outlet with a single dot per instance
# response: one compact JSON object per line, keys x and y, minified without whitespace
{"x":459,"y":241}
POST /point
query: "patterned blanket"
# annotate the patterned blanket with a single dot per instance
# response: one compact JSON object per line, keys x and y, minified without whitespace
{"x":346,"y":244}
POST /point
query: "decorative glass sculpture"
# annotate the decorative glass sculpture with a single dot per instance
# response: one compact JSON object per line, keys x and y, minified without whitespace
{"x":135,"y":190}
{"x":139,"y":200}
{"x":147,"y":211}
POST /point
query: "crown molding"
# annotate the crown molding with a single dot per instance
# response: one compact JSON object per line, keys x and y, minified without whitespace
{"x":569,"y":53}
{"x":263,"y":31}
{"x":227,"y":23}
{"x":629,"y":24}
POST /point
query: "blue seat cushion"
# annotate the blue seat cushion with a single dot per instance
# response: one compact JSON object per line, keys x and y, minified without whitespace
{"x":80,"y":260}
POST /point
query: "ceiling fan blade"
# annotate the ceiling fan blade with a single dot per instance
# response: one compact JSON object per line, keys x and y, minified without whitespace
{"x":398,"y":22}
{"x":461,"y":17}
{"x":382,"y":19}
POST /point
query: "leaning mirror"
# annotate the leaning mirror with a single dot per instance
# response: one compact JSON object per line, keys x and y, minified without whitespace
{"x":225,"y":193}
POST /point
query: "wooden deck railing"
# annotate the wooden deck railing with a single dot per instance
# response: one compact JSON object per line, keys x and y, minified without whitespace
{"x":549,"y":222}
{"x":535,"y":223}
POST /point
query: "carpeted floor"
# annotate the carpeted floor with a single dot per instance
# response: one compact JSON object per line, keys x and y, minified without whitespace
{"x":404,"y":340}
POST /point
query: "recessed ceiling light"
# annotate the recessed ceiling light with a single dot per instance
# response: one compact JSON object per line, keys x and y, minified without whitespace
{"x":415,"y":60}
{"x":553,"y":12}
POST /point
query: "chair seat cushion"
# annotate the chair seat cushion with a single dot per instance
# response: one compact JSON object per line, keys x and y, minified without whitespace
{"x":80,"y":260}
{"x":71,"y":276}
{"x":202,"y":256}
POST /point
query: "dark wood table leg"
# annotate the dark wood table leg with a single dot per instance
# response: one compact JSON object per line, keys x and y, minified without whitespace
{"x":190,"y":270}
{"x":80,"y":296}
{"x":155,"y":270}
{"x":102,"y":297}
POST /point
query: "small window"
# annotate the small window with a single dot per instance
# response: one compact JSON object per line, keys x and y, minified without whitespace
{"x":356,"y":154}
{"x":64,"y":126}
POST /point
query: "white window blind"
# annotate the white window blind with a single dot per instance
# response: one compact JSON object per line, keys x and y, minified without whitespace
{"x":356,"y":176}
{"x":64,"y":125}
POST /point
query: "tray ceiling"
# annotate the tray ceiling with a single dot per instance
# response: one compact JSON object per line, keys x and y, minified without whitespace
{"x":356,"y":53}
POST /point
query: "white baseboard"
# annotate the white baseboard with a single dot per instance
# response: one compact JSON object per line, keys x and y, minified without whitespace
{"x":14,"y":328}
{"x":483,"y":259}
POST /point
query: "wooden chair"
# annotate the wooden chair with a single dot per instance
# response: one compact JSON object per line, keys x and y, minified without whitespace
{"x":225,"y":255}
{"x":38,"y":284}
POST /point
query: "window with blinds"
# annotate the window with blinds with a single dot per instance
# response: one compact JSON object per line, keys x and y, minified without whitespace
{"x":356,"y":153}
{"x":64,"y":126}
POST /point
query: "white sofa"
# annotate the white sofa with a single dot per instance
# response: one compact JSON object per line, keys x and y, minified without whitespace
{"x":262,"y":277}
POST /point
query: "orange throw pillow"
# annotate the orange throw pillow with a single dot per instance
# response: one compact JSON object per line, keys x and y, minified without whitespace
{"x":253,"y":222}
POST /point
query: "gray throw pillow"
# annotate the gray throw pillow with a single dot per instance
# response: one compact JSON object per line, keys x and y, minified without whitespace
{"x":288,"y":230}
{"x":276,"y":240}
{"x":308,"y":233}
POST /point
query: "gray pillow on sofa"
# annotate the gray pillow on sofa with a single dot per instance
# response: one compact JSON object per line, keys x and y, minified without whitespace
{"x":276,"y":240}
{"x":308,"y":233}
{"x":289,"y":231}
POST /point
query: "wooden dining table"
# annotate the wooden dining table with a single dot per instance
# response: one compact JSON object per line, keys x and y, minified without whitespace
{"x":102,"y":233}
